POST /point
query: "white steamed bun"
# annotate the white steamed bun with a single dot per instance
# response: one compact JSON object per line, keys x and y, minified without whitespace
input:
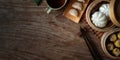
{"x":104,"y":9}
{"x":99,"y":19}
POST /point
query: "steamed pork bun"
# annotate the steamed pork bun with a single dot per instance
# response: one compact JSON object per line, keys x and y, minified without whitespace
{"x":104,"y":9}
{"x":99,"y":19}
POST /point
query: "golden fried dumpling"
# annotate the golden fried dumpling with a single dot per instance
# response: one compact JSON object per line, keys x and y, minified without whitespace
{"x":110,"y":46}
{"x":113,"y":37}
{"x":116,"y":51}
{"x":118,"y":35}
{"x":117,"y":43}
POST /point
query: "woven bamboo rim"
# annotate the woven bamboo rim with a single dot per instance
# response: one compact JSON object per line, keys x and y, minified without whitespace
{"x":88,"y":16}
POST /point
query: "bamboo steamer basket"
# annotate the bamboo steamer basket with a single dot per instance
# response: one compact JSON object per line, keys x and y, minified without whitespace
{"x":104,"y":40}
{"x":94,"y":6}
{"x":115,"y":12}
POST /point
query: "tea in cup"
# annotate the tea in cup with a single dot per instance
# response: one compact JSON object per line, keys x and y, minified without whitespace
{"x":55,"y":5}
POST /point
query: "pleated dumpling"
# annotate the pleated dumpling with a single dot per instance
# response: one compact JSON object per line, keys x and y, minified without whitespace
{"x":77,"y":5}
{"x":99,"y":19}
{"x":110,"y":46}
{"x":104,"y":9}
{"x":113,"y":37}
{"x":73,"y":12}
{"x":117,"y":43}
{"x":81,"y":1}
{"x":116,"y":51}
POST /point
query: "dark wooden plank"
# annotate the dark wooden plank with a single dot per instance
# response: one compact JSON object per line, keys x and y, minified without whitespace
{"x":27,"y":32}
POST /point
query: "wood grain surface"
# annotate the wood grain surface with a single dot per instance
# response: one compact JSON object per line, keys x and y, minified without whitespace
{"x":27,"y":32}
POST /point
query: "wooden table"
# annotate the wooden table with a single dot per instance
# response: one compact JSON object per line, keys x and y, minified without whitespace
{"x":27,"y":32}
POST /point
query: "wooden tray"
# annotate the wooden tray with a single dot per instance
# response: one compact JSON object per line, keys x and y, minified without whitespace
{"x":75,"y":19}
{"x":115,"y":12}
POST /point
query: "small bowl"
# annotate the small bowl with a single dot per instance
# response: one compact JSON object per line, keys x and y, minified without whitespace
{"x":94,"y":6}
{"x":104,"y":40}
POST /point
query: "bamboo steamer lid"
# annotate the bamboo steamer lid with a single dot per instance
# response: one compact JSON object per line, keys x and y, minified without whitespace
{"x":94,"y":6}
{"x":114,"y":12}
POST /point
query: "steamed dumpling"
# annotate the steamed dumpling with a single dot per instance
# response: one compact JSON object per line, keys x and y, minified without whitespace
{"x":110,"y":46}
{"x":117,"y":43}
{"x":104,"y":9}
{"x":73,"y":12}
{"x":116,"y":51}
{"x":99,"y":19}
{"x":77,"y":5}
{"x":113,"y":37}
{"x":118,"y":35}
{"x":81,"y":1}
